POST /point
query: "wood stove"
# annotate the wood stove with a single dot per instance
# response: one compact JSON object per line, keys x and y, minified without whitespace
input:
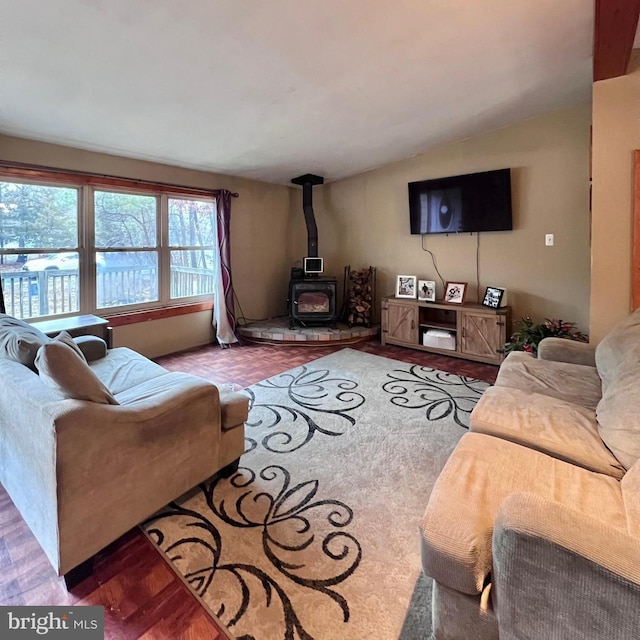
{"x":312,"y":297}
{"x":312,"y":300}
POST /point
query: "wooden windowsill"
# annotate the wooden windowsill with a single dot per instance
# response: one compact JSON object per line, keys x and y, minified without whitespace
{"x":133,"y":317}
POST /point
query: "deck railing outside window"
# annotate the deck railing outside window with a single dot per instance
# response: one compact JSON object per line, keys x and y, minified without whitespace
{"x":33,"y":294}
{"x":76,"y":243}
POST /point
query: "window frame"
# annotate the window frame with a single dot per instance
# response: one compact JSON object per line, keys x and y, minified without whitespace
{"x":135,"y":307}
{"x":168,"y":247}
{"x":87,"y":185}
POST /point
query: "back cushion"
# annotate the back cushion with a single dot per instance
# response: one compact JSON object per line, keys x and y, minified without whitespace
{"x":619,"y":351}
{"x":618,"y":414}
{"x":20,"y":341}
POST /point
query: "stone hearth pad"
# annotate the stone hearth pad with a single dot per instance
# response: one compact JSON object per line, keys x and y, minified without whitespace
{"x":277,"y":330}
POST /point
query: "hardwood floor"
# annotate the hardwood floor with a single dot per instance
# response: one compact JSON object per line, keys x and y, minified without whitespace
{"x":253,"y":362}
{"x":142,"y":597}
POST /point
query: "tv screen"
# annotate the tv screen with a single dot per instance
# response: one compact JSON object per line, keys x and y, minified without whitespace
{"x":462,"y":204}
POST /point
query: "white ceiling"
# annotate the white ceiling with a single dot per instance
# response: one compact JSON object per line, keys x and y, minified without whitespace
{"x":271,"y":90}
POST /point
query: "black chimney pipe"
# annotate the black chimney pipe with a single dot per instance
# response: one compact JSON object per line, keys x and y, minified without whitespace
{"x":307,"y":181}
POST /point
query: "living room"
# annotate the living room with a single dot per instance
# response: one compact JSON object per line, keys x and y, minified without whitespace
{"x":572,"y":176}
{"x":549,"y":156}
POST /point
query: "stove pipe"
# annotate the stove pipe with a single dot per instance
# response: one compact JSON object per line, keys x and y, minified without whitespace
{"x":307,"y":181}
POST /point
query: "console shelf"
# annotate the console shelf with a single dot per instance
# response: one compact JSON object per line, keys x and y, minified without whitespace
{"x":438,"y":325}
{"x":475,"y":332}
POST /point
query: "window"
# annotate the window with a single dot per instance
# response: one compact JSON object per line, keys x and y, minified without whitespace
{"x":38,"y":249}
{"x":126,"y":237}
{"x":192,"y":244}
{"x":93,"y":248}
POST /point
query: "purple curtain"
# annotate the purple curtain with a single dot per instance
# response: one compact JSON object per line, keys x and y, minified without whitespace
{"x":224,"y":318}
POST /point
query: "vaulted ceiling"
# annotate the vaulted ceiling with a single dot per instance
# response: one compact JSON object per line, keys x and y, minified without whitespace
{"x":270,"y":90}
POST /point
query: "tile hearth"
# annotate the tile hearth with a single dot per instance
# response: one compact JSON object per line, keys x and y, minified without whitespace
{"x":277,"y":330}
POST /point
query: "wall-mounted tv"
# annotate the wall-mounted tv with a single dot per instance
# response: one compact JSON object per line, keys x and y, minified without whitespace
{"x":462,"y":204}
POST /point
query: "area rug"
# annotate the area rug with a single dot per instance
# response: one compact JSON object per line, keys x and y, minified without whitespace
{"x":316,"y":536}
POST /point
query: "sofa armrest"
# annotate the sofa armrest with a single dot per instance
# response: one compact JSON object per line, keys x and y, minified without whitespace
{"x":118,"y":464}
{"x":565,"y":350}
{"x":27,"y":450}
{"x":561,"y":574}
{"x":92,"y":347}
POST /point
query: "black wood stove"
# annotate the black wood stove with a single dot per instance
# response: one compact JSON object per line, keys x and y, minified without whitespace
{"x":312,"y":296}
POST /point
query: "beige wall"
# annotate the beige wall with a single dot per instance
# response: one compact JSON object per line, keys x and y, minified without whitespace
{"x":364,"y":220}
{"x":616,"y":133}
{"x":258,"y":226}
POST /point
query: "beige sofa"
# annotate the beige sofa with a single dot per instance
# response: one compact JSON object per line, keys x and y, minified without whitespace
{"x":89,"y":449}
{"x":532,"y":531}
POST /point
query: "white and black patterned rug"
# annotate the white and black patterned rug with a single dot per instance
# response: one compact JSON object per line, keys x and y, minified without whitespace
{"x":316,"y":536}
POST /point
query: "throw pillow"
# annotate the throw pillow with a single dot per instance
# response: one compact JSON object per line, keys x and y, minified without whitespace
{"x":64,"y":368}
{"x":65,"y":337}
{"x":20,"y":341}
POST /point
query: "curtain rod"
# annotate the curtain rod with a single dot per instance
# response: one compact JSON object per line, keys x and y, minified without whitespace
{"x":88,"y":174}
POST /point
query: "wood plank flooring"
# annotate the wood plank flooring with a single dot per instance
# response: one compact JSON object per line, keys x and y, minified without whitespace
{"x":142,"y":597}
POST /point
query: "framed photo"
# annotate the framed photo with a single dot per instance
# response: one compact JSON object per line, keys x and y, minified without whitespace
{"x":454,"y":292}
{"x":493,"y":297}
{"x":427,"y":290}
{"x":406,"y":287}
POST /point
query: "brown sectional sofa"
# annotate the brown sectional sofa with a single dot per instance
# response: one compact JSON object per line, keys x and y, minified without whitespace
{"x":532,"y":531}
{"x":84,"y":471}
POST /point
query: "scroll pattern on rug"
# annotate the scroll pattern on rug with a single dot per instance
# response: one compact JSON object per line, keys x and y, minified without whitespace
{"x":320,"y":556}
{"x":277,"y":549}
{"x":440,"y":394}
{"x":318,"y":403}
{"x":314,"y":551}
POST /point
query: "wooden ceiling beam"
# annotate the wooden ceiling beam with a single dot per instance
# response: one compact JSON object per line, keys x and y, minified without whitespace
{"x":615,"y":24}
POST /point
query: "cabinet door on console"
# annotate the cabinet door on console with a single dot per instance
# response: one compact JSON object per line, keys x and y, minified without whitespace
{"x":402,"y":322}
{"x":483,"y":335}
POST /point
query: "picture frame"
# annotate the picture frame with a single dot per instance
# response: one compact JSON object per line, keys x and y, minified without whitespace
{"x":427,"y":290}
{"x":454,"y":292}
{"x":493,"y":297}
{"x":406,"y":287}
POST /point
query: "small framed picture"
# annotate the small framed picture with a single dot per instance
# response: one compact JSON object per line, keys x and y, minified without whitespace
{"x":454,"y":292}
{"x":493,"y":297}
{"x":427,"y":290}
{"x":406,"y":287}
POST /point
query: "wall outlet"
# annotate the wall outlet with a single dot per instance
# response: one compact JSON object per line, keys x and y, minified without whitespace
{"x":548,"y":239}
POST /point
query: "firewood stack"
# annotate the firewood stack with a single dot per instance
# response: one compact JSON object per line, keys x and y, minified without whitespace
{"x":359,"y":295}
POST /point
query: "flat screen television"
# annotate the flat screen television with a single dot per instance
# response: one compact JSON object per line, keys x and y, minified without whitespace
{"x":462,"y":204}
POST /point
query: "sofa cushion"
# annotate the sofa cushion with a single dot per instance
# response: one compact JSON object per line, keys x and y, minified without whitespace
{"x":619,"y":349}
{"x":156,"y":391}
{"x":574,"y":383}
{"x":618,"y":418}
{"x":20,"y":341}
{"x":482,"y":471}
{"x":62,"y":366}
{"x":123,"y":368}
{"x":550,"y":425}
